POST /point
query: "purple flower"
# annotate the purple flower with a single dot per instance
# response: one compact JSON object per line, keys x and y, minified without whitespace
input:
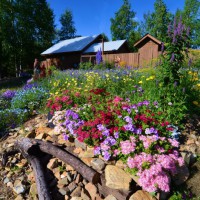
{"x":162,"y":47}
{"x":9,"y":94}
{"x":105,"y":132}
{"x":129,"y":127}
{"x":30,"y":86}
{"x":97,"y":150}
{"x":98,"y":57}
{"x":190,"y":62}
{"x":128,"y":119}
{"x":146,"y":102}
{"x":65,"y":137}
{"x":116,"y":135}
{"x":172,"y":57}
{"x":106,"y":155}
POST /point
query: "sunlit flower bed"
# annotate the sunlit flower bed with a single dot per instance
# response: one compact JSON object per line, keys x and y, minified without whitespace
{"x":136,"y":133}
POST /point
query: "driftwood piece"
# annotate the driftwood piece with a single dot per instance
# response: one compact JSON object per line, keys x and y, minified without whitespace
{"x":43,"y":192}
{"x":31,"y":146}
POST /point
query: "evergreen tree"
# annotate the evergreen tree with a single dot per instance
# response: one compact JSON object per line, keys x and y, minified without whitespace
{"x":124,"y":25}
{"x":156,"y":22}
{"x":68,"y":29}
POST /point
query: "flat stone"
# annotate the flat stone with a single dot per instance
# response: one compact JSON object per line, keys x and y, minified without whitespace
{"x":69,"y":168}
{"x":71,"y":186}
{"x":98,"y":164}
{"x":92,"y":190}
{"x":76,"y":192}
{"x":19,"y":189}
{"x":141,"y":195}
{"x":6,"y":180}
{"x":85,"y":195}
{"x":53,"y":163}
{"x":79,"y":144}
{"x":78,"y":179}
{"x":77,"y":198}
{"x":120,"y":164}
{"x":63,"y":181}
{"x":10,"y":184}
{"x":87,"y":161}
{"x":19,"y":197}
{"x":110,"y":197}
{"x":33,"y":190}
{"x":77,"y":150}
{"x":89,"y":153}
{"x":62,"y":191}
{"x":117,"y":178}
{"x":31,"y":177}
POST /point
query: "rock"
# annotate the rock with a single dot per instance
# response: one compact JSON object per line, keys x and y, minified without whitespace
{"x":53,"y":163}
{"x":19,"y":189}
{"x":31,"y":177}
{"x":188,"y":157}
{"x":6,"y":180}
{"x":92,"y":190}
{"x":10,"y":184}
{"x":141,"y":195}
{"x":63,"y":181}
{"x":79,"y":144}
{"x":43,"y":130}
{"x":77,"y":150}
{"x":63,"y":175}
{"x":41,"y":136}
{"x":98,"y":164}
{"x":87,"y":161}
{"x":89,"y":153}
{"x":33,"y":190}
{"x":120,"y":164}
{"x":110,"y":197}
{"x":117,"y":178}
{"x":78,"y":179}
{"x":19,"y":197}
{"x":76,"y":192}
{"x":190,"y":141}
{"x":85,"y":195}
{"x":181,"y":176}
{"x":71,"y":186}
{"x":69,"y":168}
{"x":62,"y":191}
{"x":77,"y":198}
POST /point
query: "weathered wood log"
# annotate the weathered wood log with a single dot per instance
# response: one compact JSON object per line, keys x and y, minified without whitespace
{"x":43,"y":192}
{"x":32,"y":145}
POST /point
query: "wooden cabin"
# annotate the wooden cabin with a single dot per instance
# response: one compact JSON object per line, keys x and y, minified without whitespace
{"x":149,"y":48}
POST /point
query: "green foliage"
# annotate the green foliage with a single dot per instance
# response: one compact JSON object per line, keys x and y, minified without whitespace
{"x":30,"y":35}
{"x":191,"y":19}
{"x":68,"y":29}
{"x":29,"y":99}
{"x":123,"y":25}
{"x":10,"y":118}
{"x":156,"y":22}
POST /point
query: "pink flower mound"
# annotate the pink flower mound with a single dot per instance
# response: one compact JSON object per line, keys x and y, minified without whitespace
{"x":156,"y":173}
{"x":127,"y":146}
{"x":147,"y":140}
{"x":154,"y":178}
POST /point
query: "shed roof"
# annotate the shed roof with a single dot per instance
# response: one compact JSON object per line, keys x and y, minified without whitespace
{"x":70,"y":45}
{"x":108,"y":46}
{"x":147,"y":36}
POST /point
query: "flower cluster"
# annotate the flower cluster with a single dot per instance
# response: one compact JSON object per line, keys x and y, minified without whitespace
{"x":9,"y":94}
{"x":133,"y":132}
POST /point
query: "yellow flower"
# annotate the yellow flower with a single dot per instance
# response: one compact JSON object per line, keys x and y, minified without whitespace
{"x":195,"y":103}
{"x":140,"y":82}
{"x":198,"y":85}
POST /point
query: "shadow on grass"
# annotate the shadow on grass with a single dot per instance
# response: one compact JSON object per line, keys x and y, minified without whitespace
{"x":13,"y":82}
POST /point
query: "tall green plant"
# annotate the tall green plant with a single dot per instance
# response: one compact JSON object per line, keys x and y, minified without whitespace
{"x":175,"y":50}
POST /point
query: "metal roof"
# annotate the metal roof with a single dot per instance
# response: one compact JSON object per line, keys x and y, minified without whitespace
{"x":108,"y":46}
{"x":70,"y":45}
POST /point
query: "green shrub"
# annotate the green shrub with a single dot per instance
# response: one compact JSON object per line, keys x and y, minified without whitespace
{"x":30,"y":99}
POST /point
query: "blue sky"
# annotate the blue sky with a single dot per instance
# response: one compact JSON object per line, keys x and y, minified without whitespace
{"x":93,"y":16}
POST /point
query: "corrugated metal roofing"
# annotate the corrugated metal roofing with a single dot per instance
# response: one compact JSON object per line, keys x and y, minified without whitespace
{"x":108,"y":46}
{"x":70,"y":45}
